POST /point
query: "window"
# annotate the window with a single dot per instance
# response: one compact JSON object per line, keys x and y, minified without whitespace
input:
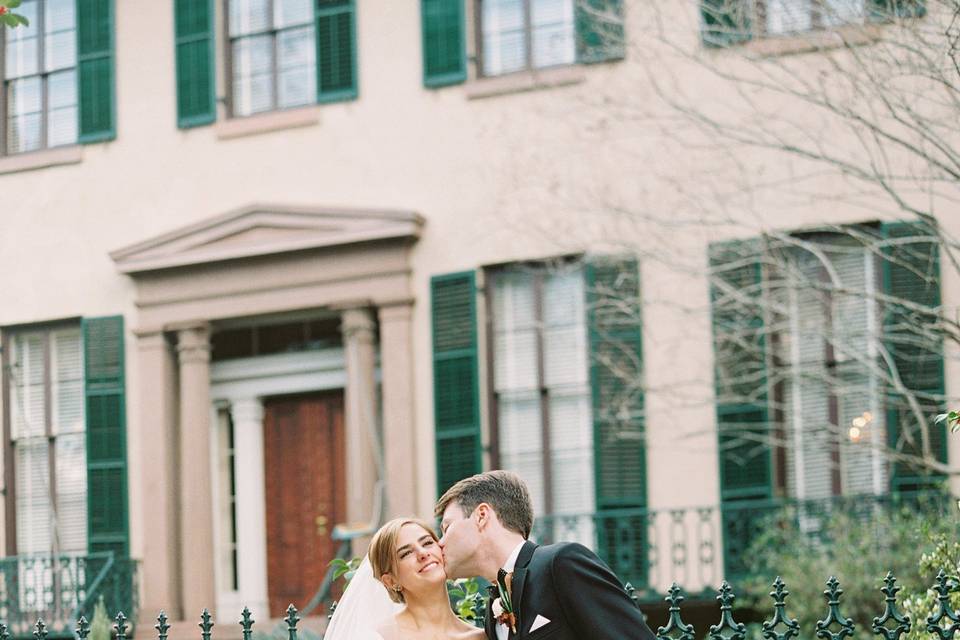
{"x":525,"y":34}
{"x":282,"y":54}
{"x":728,"y":21}
{"x":824,"y":379}
{"x":48,"y":441}
{"x":541,"y":385}
{"x":273,"y":52}
{"x":40,"y":78}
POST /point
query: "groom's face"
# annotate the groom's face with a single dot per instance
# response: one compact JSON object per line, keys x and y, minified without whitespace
{"x":461,"y":538}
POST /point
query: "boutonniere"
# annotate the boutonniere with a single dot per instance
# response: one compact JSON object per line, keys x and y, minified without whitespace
{"x":503,"y":606}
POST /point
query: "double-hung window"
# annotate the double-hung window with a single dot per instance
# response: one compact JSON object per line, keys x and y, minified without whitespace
{"x":526,"y":34}
{"x":273,"y":54}
{"x":48,"y":441}
{"x":541,"y":386}
{"x":40,"y":78}
{"x":726,"y":21}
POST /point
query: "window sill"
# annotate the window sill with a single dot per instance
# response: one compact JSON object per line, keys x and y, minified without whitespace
{"x":41,"y":159}
{"x":525,"y":81}
{"x":267,"y":122}
{"x":819,"y":40}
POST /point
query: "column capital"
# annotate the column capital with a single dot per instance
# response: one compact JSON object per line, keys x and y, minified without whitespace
{"x":246,"y":410}
{"x":152,"y":340}
{"x":398,"y":310}
{"x":357,"y":323}
{"x":193,"y":343}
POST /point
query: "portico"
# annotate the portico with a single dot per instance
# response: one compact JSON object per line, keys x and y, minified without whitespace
{"x":254,"y":262}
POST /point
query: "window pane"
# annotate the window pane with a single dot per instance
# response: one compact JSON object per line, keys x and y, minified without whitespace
{"x":67,"y":381}
{"x":71,"y":462}
{"x":838,"y":12}
{"x":515,"y":332}
{"x":504,"y":39}
{"x":521,"y":451}
{"x":62,"y":127}
{"x":553,"y":32}
{"x":60,"y":50}
{"x":25,"y":96}
{"x":249,"y":16}
{"x":565,"y":331}
{"x":292,"y":12}
{"x":34,"y":523}
{"x":253,"y":75}
{"x":22,"y":57}
{"x":60,"y":15}
{"x":788,"y":16}
{"x":298,"y":73}
{"x":26,"y":386}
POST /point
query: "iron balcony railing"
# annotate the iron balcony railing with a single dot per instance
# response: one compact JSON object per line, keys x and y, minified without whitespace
{"x":61,"y":588}
{"x":697,"y":547}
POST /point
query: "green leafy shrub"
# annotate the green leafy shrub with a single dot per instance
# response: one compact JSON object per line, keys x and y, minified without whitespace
{"x":101,"y":627}
{"x":859,"y":549}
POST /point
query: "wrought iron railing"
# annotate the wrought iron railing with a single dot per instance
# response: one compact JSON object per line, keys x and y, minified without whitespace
{"x":889,"y":624}
{"x":697,"y":547}
{"x":61,"y":588}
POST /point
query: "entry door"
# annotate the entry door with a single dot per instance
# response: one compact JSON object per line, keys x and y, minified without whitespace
{"x":304,"y":456}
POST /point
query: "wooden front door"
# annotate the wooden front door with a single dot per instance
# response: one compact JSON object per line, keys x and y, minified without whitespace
{"x":304,"y":454}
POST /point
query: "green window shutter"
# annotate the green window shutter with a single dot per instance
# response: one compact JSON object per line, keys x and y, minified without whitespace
{"x":196,"y":100}
{"x":444,"y":38}
{"x":600,"y":32}
{"x":615,"y":330}
{"x":616,"y":380}
{"x":740,"y":379}
{"x":456,"y":384}
{"x":724,"y":22}
{"x":95,"y":70}
{"x":336,"y":50}
{"x":911,"y":284}
{"x":107,"y":526}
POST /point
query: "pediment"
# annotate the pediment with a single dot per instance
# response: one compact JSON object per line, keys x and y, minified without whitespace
{"x":261,"y":230}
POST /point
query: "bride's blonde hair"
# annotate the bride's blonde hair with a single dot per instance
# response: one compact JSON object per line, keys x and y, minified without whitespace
{"x":383,"y":549}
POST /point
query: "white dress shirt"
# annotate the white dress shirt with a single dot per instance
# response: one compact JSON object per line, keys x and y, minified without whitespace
{"x":502,"y":631}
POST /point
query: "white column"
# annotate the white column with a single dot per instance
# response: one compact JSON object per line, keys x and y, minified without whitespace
{"x":251,"y":504}
{"x":196,"y":487}
{"x":399,"y":424}
{"x":360,"y":413}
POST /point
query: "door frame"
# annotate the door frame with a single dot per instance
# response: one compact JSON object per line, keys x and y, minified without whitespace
{"x":247,"y":381}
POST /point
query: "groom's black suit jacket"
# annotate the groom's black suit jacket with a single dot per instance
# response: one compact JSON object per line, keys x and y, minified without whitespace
{"x":573,"y":588}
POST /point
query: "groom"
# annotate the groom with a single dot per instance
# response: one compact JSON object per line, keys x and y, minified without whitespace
{"x":560,"y":591}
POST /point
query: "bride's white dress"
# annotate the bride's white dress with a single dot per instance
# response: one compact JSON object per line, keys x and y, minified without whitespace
{"x":364,"y":607}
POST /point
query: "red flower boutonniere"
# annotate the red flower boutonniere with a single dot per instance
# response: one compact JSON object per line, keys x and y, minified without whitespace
{"x":503,"y":606}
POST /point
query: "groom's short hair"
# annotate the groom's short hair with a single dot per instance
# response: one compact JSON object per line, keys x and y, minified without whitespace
{"x":502,"y":490}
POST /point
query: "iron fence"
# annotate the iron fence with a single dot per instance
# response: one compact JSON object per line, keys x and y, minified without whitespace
{"x":890,"y":624}
{"x":61,"y":588}
{"x":696,"y":547}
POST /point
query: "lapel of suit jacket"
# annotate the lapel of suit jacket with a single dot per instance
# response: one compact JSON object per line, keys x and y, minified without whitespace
{"x":520,"y":579}
{"x":489,"y":625}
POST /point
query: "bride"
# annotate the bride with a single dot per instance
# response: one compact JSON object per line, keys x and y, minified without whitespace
{"x":408,"y":600}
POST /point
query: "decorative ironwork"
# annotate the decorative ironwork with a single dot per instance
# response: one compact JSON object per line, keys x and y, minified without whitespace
{"x":246,"y":623}
{"x":736,"y":630}
{"x":834,"y":617}
{"x":292,"y":619}
{"x":792,"y":627}
{"x":162,"y":627}
{"x":945,"y":613}
{"x":41,"y":630}
{"x":121,"y":626}
{"x":891,"y":613}
{"x":676,"y":628}
{"x":206,"y":624}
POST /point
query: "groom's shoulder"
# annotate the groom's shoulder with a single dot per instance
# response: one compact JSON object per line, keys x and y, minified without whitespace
{"x":562,"y":552}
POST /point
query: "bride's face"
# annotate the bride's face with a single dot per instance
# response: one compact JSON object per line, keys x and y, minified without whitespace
{"x":419,"y":559}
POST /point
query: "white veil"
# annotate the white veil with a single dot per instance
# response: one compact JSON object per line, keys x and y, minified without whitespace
{"x":364,"y":607}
